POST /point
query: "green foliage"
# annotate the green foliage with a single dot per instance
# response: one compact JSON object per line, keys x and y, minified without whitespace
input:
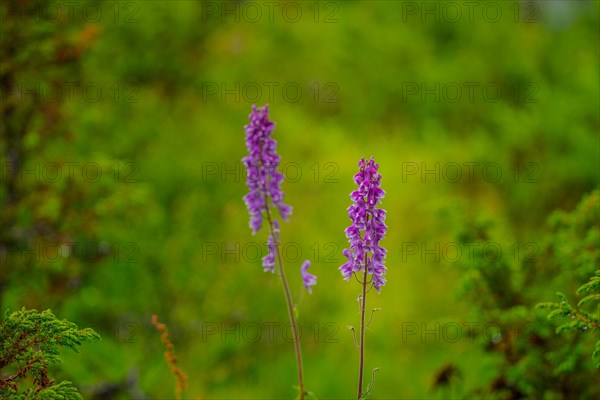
{"x":582,"y":320}
{"x":30,"y":343}
{"x":590,"y":289}
{"x":578,"y":241}
{"x":533,"y":361}
{"x":47,"y":220}
{"x":183,"y":225}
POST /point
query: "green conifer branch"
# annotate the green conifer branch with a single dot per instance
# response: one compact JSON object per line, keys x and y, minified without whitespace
{"x":30,"y":342}
{"x":582,"y":320}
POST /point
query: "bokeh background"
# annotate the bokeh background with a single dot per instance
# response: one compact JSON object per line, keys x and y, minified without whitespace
{"x":122,"y":186}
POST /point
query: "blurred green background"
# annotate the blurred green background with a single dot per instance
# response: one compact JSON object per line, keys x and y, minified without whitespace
{"x":153,"y":95}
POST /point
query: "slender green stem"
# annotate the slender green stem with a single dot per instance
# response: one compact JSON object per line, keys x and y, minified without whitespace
{"x":286,"y":291}
{"x":363,"y":301}
{"x":290,"y":306}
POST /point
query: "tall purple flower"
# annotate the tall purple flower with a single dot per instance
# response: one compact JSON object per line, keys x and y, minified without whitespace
{"x":264,"y":182}
{"x":368,"y":226}
{"x":263,"y":179}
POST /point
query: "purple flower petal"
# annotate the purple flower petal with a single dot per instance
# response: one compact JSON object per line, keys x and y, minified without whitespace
{"x":307,"y":278}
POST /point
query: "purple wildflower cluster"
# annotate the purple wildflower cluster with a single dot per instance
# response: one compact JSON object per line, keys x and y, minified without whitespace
{"x":368,"y":226}
{"x":367,"y":229}
{"x":263,"y":180}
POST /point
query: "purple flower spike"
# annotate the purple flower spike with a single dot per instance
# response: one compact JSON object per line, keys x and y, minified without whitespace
{"x":307,"y":278}
{"x":263,"y":179}
{"x":368,"y":226}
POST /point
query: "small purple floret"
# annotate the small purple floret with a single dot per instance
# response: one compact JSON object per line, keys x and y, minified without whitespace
{"x":268,"y":261}
{"x":307,"y":278}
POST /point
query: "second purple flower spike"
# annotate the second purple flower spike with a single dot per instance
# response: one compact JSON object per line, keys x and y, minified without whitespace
{"x":368,"y":226}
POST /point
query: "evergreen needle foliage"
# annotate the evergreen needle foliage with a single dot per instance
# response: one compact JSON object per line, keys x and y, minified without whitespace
{"x":30,"y":342}
{"x":532,"y":360}
{"x":581,"y":320}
